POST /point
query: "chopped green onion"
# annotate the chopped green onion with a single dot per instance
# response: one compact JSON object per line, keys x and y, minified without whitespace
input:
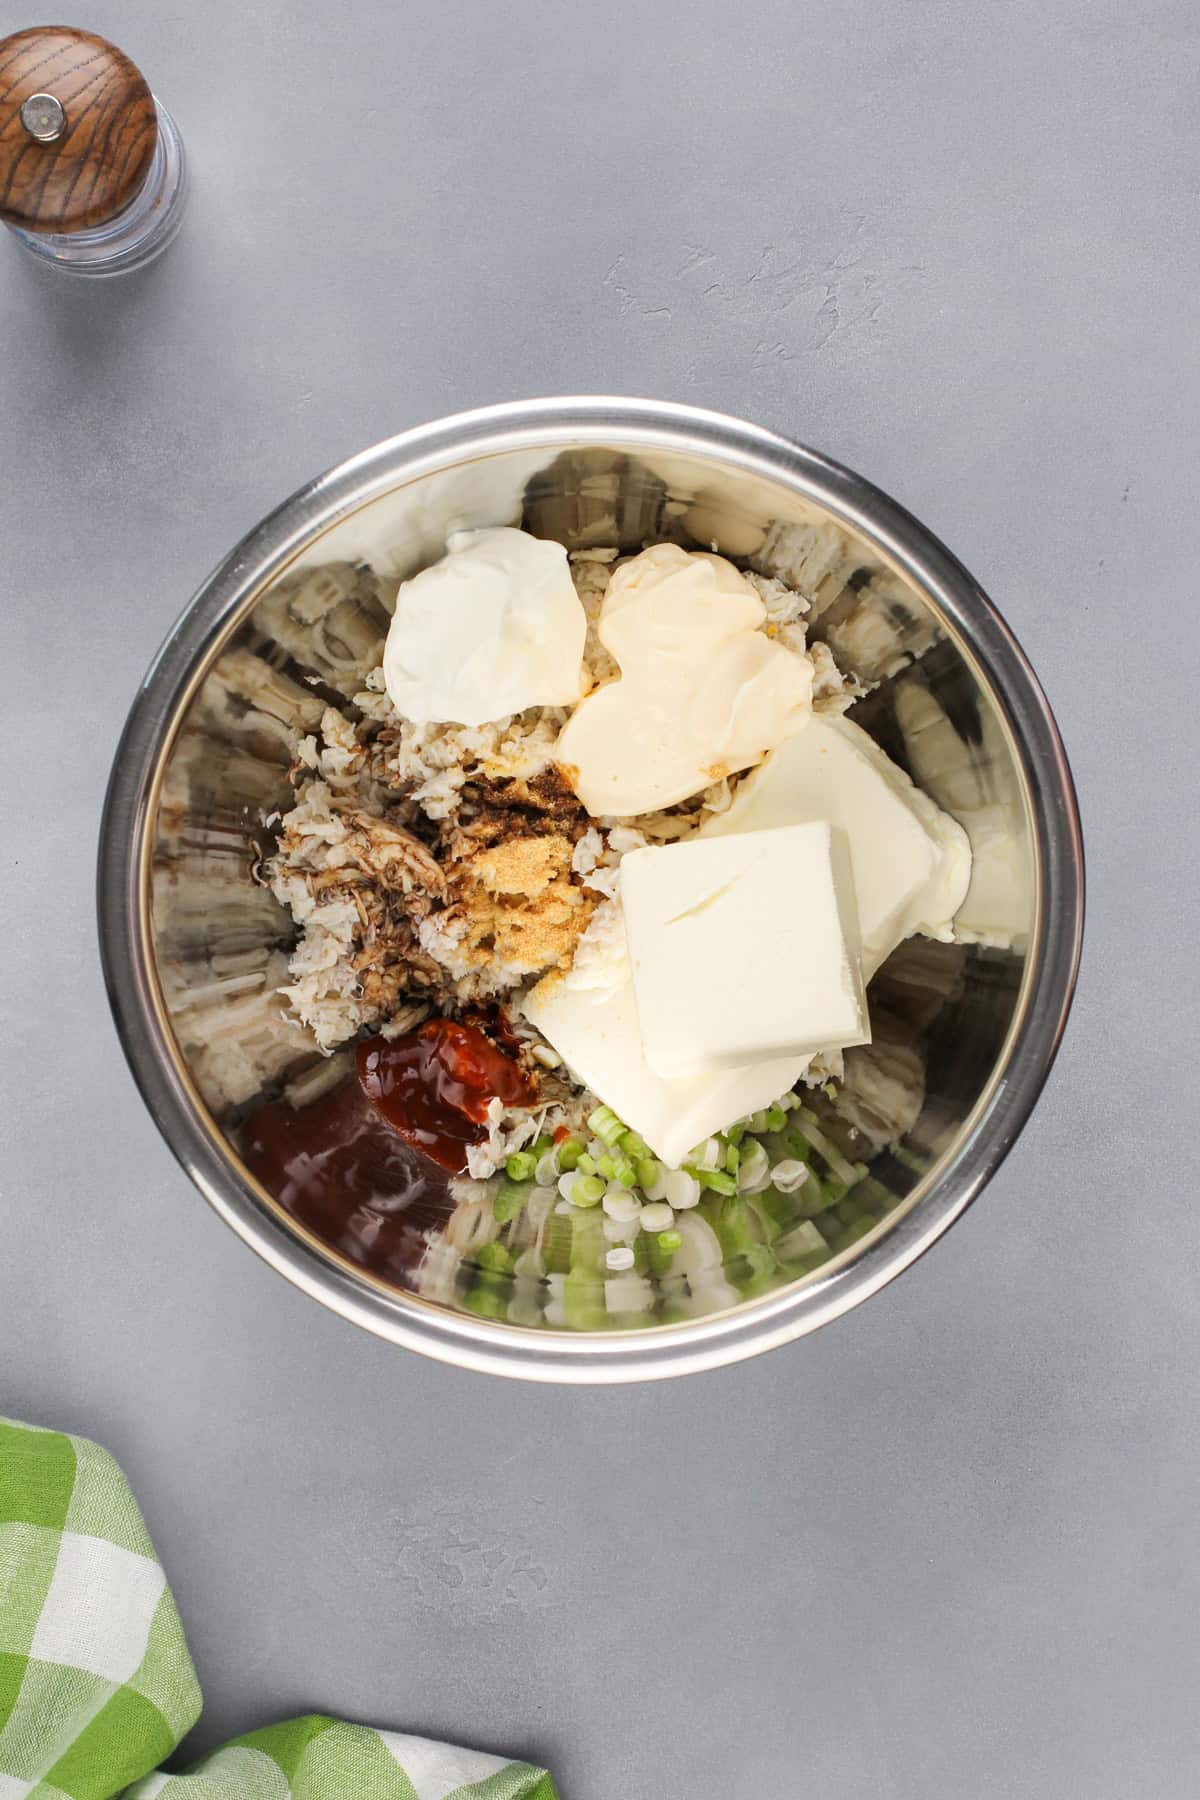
{"x":790,"y":1174}
{"x":776,"y":1118}
{"x":649,"y":1172}
{"x":569,"y":1153}
{"x":606,"y":1125}
{"x":587,"y":1191}
{"x":736,"y":1133}
{"x":754,"y":1169}
{"x":657,"y":1253}
{"x":681,"y":1189}
{"x":520,"y":1165}
{"x":704,"y":1155}
{"x":585,"y":1164}
{"x":829,"y":1090}
{"x":509,"y":1200}
{"x":493,"y":1257}
{"x":732,"y":1159}
{"x":669,"y":1242}
{"x":633,"y":1145}
{"x":606,"y":1167}
{"x":541,"y":1144}
{"x":657,"y":1217}
{"x":717,"y":1180}
{"x":620,"y":1205}
{"x":624,"y":1172}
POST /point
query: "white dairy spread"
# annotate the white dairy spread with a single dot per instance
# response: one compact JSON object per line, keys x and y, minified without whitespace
{"x":494,"y":627}
{"x":596,"y":1032}
{"x":911,"y":861}
{"x":703,"y":692}
{"x":744,"y":947}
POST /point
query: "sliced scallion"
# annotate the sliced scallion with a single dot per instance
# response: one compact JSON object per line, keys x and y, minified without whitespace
{"x":717,"y":1181}
{"x":606,"y":1125}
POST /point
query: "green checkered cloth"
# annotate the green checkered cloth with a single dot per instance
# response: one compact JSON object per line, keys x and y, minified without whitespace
{"x":97,"y":1687}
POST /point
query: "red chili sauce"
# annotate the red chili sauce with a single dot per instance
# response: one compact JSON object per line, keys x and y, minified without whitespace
{"x":366,"y":1167}
{"x":434,"y":1085}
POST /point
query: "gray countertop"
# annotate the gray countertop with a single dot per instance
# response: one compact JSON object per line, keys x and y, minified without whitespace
{"x":948,"y":1545}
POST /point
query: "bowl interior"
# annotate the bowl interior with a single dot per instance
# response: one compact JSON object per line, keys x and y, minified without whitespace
{"x":943,"y":1015}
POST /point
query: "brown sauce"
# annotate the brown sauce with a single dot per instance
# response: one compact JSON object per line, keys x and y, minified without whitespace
{"x":434,"y":1085}
{"x":367,"y":1166}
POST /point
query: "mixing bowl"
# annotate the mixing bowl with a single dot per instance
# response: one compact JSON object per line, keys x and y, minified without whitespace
{"x":194,"y":948}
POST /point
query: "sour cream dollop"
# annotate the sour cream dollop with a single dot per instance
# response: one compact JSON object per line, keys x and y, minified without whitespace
{"x":494,"y":627}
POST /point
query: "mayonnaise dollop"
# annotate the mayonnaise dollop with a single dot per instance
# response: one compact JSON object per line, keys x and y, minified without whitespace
{"x":492,"y":628}
{"x":702,"y":691}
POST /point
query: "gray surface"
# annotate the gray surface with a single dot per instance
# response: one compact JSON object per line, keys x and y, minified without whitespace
{"x":948,"y":1545}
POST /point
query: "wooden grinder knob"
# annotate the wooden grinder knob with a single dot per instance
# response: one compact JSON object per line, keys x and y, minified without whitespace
{"x":78,"y":129}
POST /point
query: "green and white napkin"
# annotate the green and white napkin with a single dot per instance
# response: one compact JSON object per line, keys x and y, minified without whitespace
{"x":97,"y":1687}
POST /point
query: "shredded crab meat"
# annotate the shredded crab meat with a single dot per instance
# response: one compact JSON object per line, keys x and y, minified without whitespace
{"x":513,"y":1130}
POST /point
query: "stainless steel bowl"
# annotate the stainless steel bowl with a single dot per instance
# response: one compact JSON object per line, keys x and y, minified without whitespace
{"x":191,"y":947}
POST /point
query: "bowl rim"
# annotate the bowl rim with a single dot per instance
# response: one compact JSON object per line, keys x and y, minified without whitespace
{"x":553,"y":425}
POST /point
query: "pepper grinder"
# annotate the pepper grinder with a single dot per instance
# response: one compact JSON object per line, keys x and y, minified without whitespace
{"x":92,"y":174}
